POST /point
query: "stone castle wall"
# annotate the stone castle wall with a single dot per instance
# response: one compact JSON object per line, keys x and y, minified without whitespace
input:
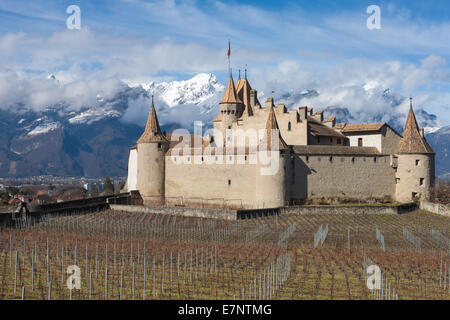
{"x":344,"y":176}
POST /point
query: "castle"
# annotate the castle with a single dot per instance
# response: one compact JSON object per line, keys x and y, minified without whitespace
{"x":310,"y":158}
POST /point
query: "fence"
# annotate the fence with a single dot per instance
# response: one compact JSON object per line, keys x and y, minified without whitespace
{"x":286,"y":234}
{"x":266,"y":284}
{"x":252,"y":235}
{"x":438,"y":237}
{"x":412,"y":239}
{"x":444,"y":276}
{"x":380,"y":238}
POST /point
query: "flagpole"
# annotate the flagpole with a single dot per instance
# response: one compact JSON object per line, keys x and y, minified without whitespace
{"x":229,"y":54}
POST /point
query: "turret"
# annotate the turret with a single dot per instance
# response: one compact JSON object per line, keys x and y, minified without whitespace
{"x":415,"y":168}
{"x":272,"y":178}
{"x":231,"y":107}
{"x":151,"y":150}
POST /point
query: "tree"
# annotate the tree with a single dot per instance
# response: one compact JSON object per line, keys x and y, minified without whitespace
{"x":94,"y":191}
{"x":108,"y":187}
{"x":5,"y":197}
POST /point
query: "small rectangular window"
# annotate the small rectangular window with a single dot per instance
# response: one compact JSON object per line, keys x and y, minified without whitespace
{"x":397,"y":180}
{"x":331,"y":159}
{"x":331,"y":140}
{"x":360,"y":142}
{"x":338,"y":141}
{"x":307,"y":158}
{"x":318,"y":139}
{"x":159,"y":145}
{"x":229,"y":182}
{"x":417,"y":162}
{"x":374,"y":159}
{"x":353,"y":159}
{"x":421,"y":181}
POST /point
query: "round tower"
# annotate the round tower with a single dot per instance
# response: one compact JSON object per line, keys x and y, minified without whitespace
{"x":151,"y":149}
{"x":415,"y":164}
{"x":273,"y":167}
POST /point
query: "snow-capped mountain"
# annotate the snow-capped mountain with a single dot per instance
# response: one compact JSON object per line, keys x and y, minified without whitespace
{"x":196,"y":90}
{"x":94,"y":140}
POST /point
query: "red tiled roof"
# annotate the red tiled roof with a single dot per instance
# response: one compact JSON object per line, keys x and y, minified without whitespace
{"x":412,"y":141}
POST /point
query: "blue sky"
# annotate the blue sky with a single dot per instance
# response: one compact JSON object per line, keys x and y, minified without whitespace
{"x":288,"y":45}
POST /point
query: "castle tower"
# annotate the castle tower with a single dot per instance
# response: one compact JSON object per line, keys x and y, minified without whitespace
{"x":230,"y":107}
{"x":272,"y":178}
{"x":151,"y":150}
{"x":415,"y":167}
{"x":243,"y":90}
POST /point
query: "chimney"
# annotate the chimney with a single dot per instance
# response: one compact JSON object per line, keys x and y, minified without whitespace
{"x":269,"y":103}
{"x":302,"y":112}
{"x":253,"y":97}
{"x":421,"y":132}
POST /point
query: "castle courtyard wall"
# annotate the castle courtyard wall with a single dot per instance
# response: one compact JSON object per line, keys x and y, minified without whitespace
{"x":222,"y":184}
{"x":345,"y":176}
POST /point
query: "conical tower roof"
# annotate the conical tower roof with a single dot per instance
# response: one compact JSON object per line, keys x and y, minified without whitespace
{"x":272,"y":124}
{"x":230,"y":95}
{"x":152,"y":132}
{"x":243,"y":91}
{"x":412,"y":141}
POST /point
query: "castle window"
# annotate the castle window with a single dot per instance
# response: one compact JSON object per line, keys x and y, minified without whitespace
{"x":216,"y":158}
{"x":245,"y":157}
{"x":202,"y":159}
{"x":397,"y":180}
{"x":338,"y":141}
{"x":229,"y":127}
{"x":417,"y":162}
{"x":375,"y":159}
{"x":353,"y":159}
{"x":289,"y":126}
{"x":159,"y":145}
{"x":229,"y":182}
{"x":307,"y":158}
{"x":421,"y":182}
{"x":331,"y":159}
{"x":318,"y":139}
{"x":331,"y":140}
{"x":360,"y":142}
